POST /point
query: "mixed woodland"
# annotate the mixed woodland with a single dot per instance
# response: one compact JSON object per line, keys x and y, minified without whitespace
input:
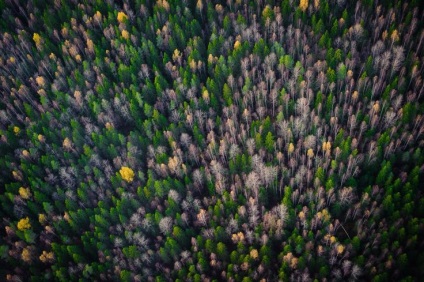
{"x":234,"y":140}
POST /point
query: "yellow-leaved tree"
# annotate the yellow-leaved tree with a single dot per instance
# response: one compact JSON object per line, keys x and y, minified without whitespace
{"x":37,"y":39}
{"x":290,"y":149}
{"x":24,"y":224}
{"x":254,"y":254}
{"x":125,"y":34}
{"x":310,"y":153}
{"x":47,"y":257}
{"x":303,"y":5}
{"x":121,"y":17}
{"x":67,"y":144}
{"x":25,"y":193}
{"x":395,"y":36}
{"x":25,"y":153}
{"x":127,"y":174}
{"x":340,"y":249}
{"x":326,"y":147}
{"x":40,"y":81}
{"x":16,"y":130}
{"x":26,"y":255}
{"x":42,"y":218}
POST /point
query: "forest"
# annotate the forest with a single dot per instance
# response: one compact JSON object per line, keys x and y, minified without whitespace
{"x":236,"y":140}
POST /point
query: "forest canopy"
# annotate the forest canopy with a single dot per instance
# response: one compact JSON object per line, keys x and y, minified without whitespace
{"x":242,"y":140}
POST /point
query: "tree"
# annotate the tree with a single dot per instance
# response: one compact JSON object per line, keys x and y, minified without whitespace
{"x":24,"y":224}
{"x":122,"y":17}
{"x":127,"y":174}
{"x":253,"y":182}
{"x":303,"y":5}
{"x":221,"y":251}
{"x":269,"y":142}
{"x":165,"y":225}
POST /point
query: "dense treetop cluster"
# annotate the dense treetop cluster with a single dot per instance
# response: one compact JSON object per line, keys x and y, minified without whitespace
{"x":232,"y":140}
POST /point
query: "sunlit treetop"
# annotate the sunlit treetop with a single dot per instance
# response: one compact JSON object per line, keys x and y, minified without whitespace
{"x":376,"y":107}
{"x":122,"y":17}
{"x":42,"y":218}
{"x":47,"y":256}
{"x":125,"y":34}
{"x":26,"y":255}
{"x":37,"y":39}
{"x":219,"y":8}
{"x":24,"y":224}
{"x":254,"y":253}
{"x":205,"y":95}
{"x":340,"y":249}
{"x":199,"y":4}
{"x":267,"y":12}
{"x":98,"y":16}
{"x":40,"y":81}
{"x":326,"y":146}
{"x":395,"y":35}
{"x":290,"y":148}
{"x":237,"y":237}
{"x":310,"y":153}
{"x":108,"y":125}
{"x":304,"y":5}
{"x":25,"y":153}
{"x":67,"y":144}
{"x":16,"y":130}
{"x":25,"y":193}
{"x":176,"y":55}
{"x":41,"y":138}
{"x":17,"y":175}
{"x":127,"y":174}
{"x":164,"y":4}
